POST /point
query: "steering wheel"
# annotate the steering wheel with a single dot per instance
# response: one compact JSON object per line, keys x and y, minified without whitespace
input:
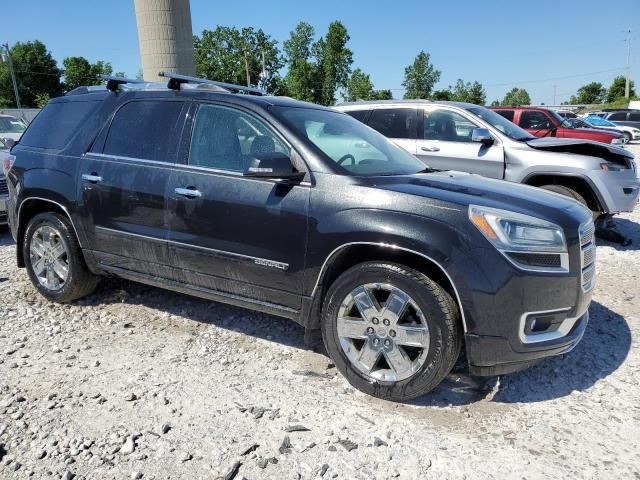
{"x":346,"y":157}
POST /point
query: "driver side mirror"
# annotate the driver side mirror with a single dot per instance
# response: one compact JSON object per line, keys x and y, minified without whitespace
{"x":482,"y":135}
{"x":272,"y":165}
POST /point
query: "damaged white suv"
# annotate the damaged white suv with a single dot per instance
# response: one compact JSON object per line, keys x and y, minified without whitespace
{"x":474,"y":139}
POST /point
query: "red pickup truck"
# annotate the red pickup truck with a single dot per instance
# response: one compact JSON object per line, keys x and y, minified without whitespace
{"x":542,"y":122}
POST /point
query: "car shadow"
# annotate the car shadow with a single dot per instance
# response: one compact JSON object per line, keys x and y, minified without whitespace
{"x":604,"y":347}
{"x":627,"y":228}
{"x":5,"y":236}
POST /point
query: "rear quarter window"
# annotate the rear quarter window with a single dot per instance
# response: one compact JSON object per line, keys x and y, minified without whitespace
{"x":359,"y":115}
{"x":57,"y":123}
{"x":508,"y":114}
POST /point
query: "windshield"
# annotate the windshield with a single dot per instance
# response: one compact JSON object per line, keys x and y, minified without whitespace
{"x":579,"y":123}
{"x":498,"y":122}
{"x":600,"y":122}
{"x":11,"y":125}
{"x":564,"y":123}
{"x":356,"y":148}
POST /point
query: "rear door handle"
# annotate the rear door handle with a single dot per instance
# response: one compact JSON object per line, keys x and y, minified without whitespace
{"x":93,"y":177}
{"x":430,"y":149}
{"x":188,"y":192}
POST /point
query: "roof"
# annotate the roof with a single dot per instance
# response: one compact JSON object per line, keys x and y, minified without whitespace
{"x":405,"y":102}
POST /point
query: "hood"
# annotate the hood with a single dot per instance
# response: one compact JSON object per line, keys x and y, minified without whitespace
{"x":607,"y":152}
{"x":464,"y":189}
{"x":587,"y":131}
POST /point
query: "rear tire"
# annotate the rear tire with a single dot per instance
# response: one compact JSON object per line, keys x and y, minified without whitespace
{"x":627,"y":137}
{"x":395,"y":356}
{"x":54,"y":259}
{"x":568,"y":192}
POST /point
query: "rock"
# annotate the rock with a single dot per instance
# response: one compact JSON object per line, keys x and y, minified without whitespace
{"x":128,"y":447}
{"x":15,"y":466}
{"x":262,"y":463}
{"x":285,"y":446}
{"x":296,"y":428}
{"x":186,"y":457}
{"x":324,"y":469}
{"x":348,"y":445}
{"x":136,"y":475}
{"x":67,"y":475}
{"x":248,"y":449}
{"x":378,"y":442}
{"x":40,"y":454}
{"x":165,"y":428}
{"x":233,"y":471}
{"x":130,"y":397}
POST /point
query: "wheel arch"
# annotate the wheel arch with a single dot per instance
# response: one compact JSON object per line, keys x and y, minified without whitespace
{"x":29,"y":208}
{"x":578,"y":183}
{"x":347,"y":255}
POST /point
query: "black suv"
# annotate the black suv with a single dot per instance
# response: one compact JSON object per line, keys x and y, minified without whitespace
{"x":296,"y":210}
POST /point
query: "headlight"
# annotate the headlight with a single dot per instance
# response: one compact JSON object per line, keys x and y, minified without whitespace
{"x":617,"y":141}
{"x":515,"y":232}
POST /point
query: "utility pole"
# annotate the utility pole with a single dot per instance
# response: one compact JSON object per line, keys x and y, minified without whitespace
{"x":6,"y":57}
{"x":627,"y":86}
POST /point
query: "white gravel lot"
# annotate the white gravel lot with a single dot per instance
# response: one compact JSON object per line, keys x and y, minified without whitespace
{"x":137,"y":382}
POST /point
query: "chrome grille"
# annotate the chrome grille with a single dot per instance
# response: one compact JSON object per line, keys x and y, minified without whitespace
{"x":588,"y":255}
{"x":3,"y":186}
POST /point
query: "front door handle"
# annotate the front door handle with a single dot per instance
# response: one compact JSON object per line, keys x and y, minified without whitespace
{"x":93,"y":177}
{"x":188,"y":192}
{"x":430,"y":149}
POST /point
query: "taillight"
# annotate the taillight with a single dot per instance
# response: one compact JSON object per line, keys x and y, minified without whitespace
{"x":7,"y":163}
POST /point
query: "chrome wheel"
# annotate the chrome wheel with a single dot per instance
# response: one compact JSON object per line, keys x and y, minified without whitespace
{"x":383,"y":332}
{"x":49,"y":258}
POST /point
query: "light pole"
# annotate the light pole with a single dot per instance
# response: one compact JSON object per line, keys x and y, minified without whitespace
{"x":627,"y":85}
{"x":6,"y":57}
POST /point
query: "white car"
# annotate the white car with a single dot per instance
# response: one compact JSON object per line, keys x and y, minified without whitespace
{"x":630,"y":133}
{"x":11,"y":127}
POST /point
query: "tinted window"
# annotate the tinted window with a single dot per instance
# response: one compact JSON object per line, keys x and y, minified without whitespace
{"x":508,"y":114}
{"x":11,"y":125}
{"x":620,"y":116}
{"x":447,"y":126}
{"x":227,"y":139}
{"x":534,"y":120}
{"x":358,"y":114}
{"x":394,"y":122}
{"x":145,"y":130}
{"x":340,"y":139}
{"x":634,"y":116}
{"x":57,"y":123}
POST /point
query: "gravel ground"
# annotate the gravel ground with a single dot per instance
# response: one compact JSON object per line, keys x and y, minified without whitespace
{"x":136,"y":382}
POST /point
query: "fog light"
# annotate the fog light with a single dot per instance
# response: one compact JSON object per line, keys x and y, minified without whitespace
{"x":537,"y":323}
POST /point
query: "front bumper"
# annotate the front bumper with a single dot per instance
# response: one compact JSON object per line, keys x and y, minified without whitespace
{"x":618,"y":191}
{"x":488,"y":355}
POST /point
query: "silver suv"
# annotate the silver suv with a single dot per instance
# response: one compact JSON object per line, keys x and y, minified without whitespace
{"x":474,"y":139}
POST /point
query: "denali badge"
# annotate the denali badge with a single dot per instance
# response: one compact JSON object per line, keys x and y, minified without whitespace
{"x":270,"y":263}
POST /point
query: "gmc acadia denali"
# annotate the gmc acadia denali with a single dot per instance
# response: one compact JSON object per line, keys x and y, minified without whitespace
{"x":297,"y":210}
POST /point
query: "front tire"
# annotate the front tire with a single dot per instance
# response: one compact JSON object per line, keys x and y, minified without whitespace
{"x":54,"y":260}
{"x":627,"y":137}
{"x":568,"y":192}
{"x":391,"y":331}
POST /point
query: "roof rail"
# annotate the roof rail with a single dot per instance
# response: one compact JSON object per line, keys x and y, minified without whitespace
{"x":175,"y":80}
{"x":114,"y":82}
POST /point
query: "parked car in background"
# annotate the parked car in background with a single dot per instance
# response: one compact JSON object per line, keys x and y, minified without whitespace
{"x":566,"y":114}
{"x":474,"y":139}
{"x":309,"y":215}
{"x":4,"y":192}
{"x":630,"y":118}
{"x":630,"y":133}
{"x":542,"y":122}
{"x":11,"y":127}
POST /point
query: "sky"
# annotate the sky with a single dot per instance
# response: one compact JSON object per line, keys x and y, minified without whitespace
{"x":541,"y":46}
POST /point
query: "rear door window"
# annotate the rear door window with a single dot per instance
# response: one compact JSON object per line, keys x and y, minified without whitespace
{"x":57,"y":123}
{"x":534,"y":120}
{"x":508,"y":114}
{"x":394,"y":122}
{"x":146,"y":130}
{"x":447,"y":126}
{"x":618,"y":117}
{"x":634,"y":117}
{"x":359,"y":115}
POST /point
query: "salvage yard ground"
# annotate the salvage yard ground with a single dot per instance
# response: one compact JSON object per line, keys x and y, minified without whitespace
{"x":137,"y":382}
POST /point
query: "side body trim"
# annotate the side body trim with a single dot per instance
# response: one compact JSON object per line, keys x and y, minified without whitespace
{"x":394,"y":247}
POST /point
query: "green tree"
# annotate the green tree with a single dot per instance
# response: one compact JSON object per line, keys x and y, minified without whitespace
{"x":468,"y":92}
{"x":516,"y":96}
{"x":300,"y":77}
{"x":42,"y":99}
{"x":232,"y":55}
{"x":420,"y":77}
{"x":592,"y":92}
{"x":121,"y":74}
{"x":616,"y":90}
{"x":443,"y":95}
{"x":333,"y":60}
{"x":382,"y":95}
{"x":359,"y":86}
{"x":78,"y":72}
{"x":495,"y":103}
{"x":37,"y":73}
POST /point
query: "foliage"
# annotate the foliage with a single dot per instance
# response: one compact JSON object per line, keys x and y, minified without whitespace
{"x":42,"y":99}
{"x":232,"y":55}
{"x":443,"y":95}
{"x":516,"y":96}
{"x":359,"y":87}
{"x":420,"y":77}
{"x":495,"y":103}
{"x":78,"y":72}
{"x":318,"y":69}
{"x":384,"y":94}
{"x":616,"y":90}
{"x":593,"y":92}
{"x":37,"y":73}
